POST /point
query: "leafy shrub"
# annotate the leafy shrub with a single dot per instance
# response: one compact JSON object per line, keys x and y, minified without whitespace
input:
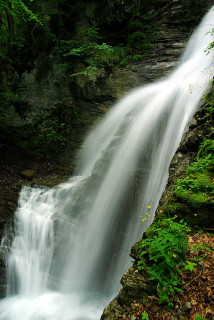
{"x":11,"y":106}
{"x":87,"y":50}
{"x":140,"y":34}
{"x":206,"y":148}
{"x":137,"y":57}
{"x":165,"y":251}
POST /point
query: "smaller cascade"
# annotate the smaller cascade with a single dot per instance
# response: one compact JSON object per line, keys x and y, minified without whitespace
{"x":32,"y":249}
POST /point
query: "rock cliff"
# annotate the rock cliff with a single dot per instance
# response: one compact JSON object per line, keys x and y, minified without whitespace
{"x":51,"y":99}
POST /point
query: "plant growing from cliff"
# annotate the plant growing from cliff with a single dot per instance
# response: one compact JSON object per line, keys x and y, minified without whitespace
{"x":11,"y":106}
{"x":205,"y":149}
{"x":211,"y":45}
{"x":165,"y":251}
{"x":87,"y":50}
{"x":140,"y":36}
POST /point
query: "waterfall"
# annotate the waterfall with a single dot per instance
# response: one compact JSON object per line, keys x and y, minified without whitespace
{"x":71,"y":243}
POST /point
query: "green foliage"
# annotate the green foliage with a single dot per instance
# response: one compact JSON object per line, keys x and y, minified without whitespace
{"x":202,"y":164}
{"x":11,"y":106}
{"x":196,"y":189}
{"x":141,"y":33}
{"x":13,"y":14}
{"x":196,"y":182}
{"x":199,"y":317}
{"x":53,"y":128}
{"x":206,"y":149}
{"x":145,"y":316}
{"x":194,"y":200}
{"x":165,"y":252}
{"x":137,"y":57}
{"x":53,"y":136}
{"x":86,"y":50}
{"x":200,"y":247}
{"x":19,"y":10}
{"x":211,"y":45}
{"x":48,"y":132}
{"x":189,"y":266}
{"x":26,"y":31}
{"x":118,"y":54}
{"x":29,"y":28}
{"x":209,"y":105}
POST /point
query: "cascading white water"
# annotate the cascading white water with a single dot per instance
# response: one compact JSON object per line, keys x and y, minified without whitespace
{"x":71,"y":243}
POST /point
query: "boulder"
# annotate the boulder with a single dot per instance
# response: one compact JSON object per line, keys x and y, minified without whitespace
{"x":28,"y":174}
{"x":135,"y":286}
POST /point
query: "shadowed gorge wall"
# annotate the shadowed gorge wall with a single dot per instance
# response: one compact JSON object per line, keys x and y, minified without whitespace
{"x":44,"y":108}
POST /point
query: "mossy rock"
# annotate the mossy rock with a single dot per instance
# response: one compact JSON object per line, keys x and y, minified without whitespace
{"x":205,"y":216}
{"x":174,"y":207}
{"x":206,"y":148}
{"x":193,"y":195}
{"x":195,"y":200}
{"x":113,"y":311}
{"x":135,"y":286}
{"x":135,"y":250}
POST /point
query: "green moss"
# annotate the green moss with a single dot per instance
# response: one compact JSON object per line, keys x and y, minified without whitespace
{"x":196,"y":189}
{"x":174,"y":206}
{"x":202,"y":181}
{"x":194,"y":200}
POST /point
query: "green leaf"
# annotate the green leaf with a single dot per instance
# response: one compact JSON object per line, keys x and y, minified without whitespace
{"x":144,"y":316}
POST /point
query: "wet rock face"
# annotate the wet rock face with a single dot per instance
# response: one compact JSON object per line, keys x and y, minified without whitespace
{"x":3,"y":280}
{"x":117,"y":12}
{"x":45,"y":86}
{"x":6,"y":212}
